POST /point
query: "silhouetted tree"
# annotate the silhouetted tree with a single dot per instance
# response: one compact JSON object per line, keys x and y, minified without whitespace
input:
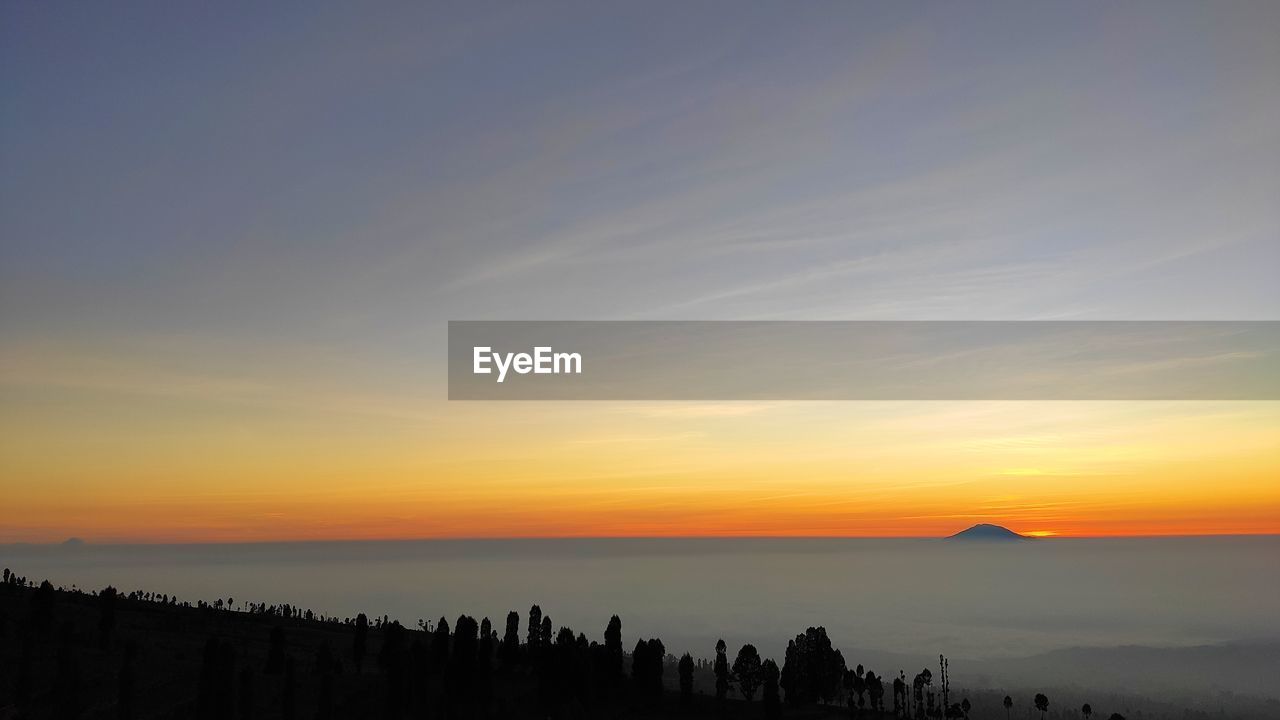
{"x":772,"y":703}
{"x":856,"y":685}
{"x":564,"y":670}
{"x":833,"y":668}
{"x":721,"y":670}
{"x":1042,"y":704}
{"x":657,"y":657}
{"x":686,"y":678}
{"x":535,"y":628}
{"x":485,"y":651}
{"x":966,"y":706}
{"x":646,"y":668}
{"x":462,"y":661}
{"x":812,"y":670}
{"x":1008,"y":706}
{"x":1086,"y":710}
{"x":106,"y":616}
{"x":789,"y":680}
{"x":945,"y":666}
{"x":612,"y":670}
{"x":511,"y":639}
{"x":42,"y":602}
{"x":639,"y":665}
{"x":360,"y":643}
{"x":875,"y":690}
{"x":440,"y":655}
{"x":747,"y":671}
{"x":393,"y":661}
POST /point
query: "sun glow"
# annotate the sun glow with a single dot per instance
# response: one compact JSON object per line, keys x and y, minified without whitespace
{"x":192,"y":469}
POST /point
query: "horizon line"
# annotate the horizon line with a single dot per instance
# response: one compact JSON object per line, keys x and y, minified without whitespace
{"x":76,"y":541}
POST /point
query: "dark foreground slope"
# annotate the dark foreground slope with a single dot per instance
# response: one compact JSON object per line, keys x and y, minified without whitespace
{"x":166,"y":660}
{"x":70,"y":654}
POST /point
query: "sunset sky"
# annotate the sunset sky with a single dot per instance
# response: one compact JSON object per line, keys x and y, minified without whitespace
{"x":229,"y":250}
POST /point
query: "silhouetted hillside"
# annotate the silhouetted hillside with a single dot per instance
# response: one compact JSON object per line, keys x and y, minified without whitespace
{"x":111,"y":654}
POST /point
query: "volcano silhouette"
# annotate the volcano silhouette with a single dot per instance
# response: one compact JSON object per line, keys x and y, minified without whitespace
{"x":985,"y":531}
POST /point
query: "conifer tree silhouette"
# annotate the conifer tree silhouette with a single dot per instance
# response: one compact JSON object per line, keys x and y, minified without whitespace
{"x":106,"y":616}
{"x":393,"y":661}
{"x":360,"y":643}
{"x":462,"y":661}
{"x":511,"y":639}
{"x":535,"y":627}
{"x":686,"y":678}
{"x":772,"y":703}
{"x":42,"y":607}
{"x":613,"y":672}
{"x":721,"y":670}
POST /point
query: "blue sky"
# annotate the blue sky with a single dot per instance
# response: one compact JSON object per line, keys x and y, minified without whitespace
{"x":350,"y":174}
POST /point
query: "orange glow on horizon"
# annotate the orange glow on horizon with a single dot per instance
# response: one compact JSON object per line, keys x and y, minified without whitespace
{"x":634,"y":470}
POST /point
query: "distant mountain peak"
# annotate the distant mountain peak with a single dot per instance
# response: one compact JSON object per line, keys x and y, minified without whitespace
{"x":986,"y":531}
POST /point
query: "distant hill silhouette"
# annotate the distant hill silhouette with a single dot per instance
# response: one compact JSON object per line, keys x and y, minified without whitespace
{"x":985,"y":531}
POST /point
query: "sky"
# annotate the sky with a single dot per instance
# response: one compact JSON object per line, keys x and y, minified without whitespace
{"x":231,"y":237}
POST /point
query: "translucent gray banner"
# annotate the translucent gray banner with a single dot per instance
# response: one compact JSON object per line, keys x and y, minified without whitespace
{"x":861,"y":360}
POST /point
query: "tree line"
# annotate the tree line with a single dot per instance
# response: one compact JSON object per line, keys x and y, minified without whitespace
{"x":468,"y":669}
